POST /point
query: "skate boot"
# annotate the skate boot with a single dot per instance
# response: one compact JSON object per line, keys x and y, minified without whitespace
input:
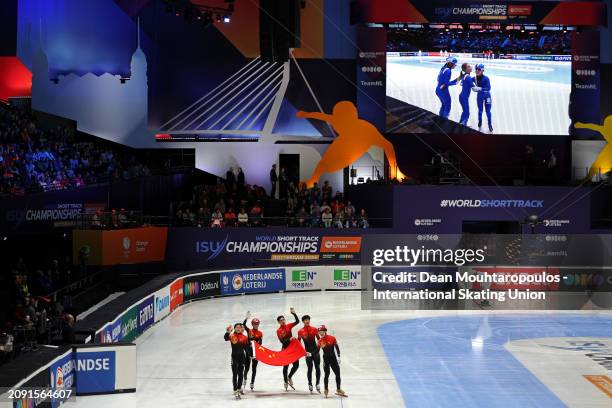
{"x":490,"y":128}
{"x":318,"y":388}
{"x":479,"y":125}
{"x":286,"y":386}
{"x":341,"y":393}
{"x":237,"y":394}
{"x":310,"y":388}
{"x":241,"y":391}
{"x":291,"y":383}
{"x":252,"y":386}
{"x":325,"y":392}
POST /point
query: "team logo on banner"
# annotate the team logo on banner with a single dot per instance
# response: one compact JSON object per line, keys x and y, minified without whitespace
{"x":237,"y":282}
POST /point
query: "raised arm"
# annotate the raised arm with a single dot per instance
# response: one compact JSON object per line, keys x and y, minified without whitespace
{"x":228,"y":330}
{"x":244,"y":323}
{"x":314,"y":115}
{"x":591,"y":126}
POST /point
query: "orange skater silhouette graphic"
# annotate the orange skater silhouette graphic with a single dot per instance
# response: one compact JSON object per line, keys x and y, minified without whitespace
{"x":603,"y":162}
{"x":355,"y":137}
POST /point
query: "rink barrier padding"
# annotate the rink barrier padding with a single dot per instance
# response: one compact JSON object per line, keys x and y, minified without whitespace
{"x":135,"y":318}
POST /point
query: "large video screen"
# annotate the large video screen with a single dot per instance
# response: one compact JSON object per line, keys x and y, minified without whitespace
{"x":492,"y":81}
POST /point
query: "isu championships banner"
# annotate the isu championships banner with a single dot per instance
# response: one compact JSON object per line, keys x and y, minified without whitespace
{"x":192,"y":248}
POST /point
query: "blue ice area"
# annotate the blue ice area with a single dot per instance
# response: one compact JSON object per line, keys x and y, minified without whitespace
{"x":460,"y":361}
{"x":555,"y":72}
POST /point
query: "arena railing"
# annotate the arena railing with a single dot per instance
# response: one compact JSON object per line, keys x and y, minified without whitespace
{"x":290,"y":222}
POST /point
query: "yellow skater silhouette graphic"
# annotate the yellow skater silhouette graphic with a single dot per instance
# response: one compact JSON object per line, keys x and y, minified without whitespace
{"x":355,"y":137}
{"x":603,"y":162}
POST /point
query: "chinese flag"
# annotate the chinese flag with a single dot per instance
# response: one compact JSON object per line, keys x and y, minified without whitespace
{"x":292,"y":353}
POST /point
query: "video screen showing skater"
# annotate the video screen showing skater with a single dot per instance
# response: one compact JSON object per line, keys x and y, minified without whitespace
{"x":492,"y":81}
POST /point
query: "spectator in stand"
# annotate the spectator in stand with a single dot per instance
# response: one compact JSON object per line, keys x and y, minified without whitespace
{"x":326,"y":190}
{"x":254,"y":198}
{"x":203,"y":217}
{"x":362,"y":221}
{"x":188,"y":217}
{"x":350,"y":209}
{"x":240,"y":181}
{"x":324,"y":206}
{"x":302,"y":218}
{"x":96,"y":220}
{"x":315,"y":214}
{"x":290,"y":215}
{"x":256,"y":215}
{"x":339,"y":218}
{"x":283,"y":184}
{"x":273,"y":180}
{"x":114,"y":219}
{"x":68,"y":329}
{"x":230,"y":218}
{"x":327,"y":217}
{"x":230,"y":178}
{"x":217,"y":219}
{"x":123,"y":219}
{"x":243,"y":218}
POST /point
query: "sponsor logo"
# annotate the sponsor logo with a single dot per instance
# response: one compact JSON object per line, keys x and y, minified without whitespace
{"x":589,"y":87}
{"x":486,"y":10}
{"x":371,"y":69}
{"x":214,"y":248}
{"x":345,"y":278}
{"x":89,"y":364}
{"x":237,"y":282}
{"x":59,"y":378}
{"x":282,"y":247}
{"x":253,"y":281}
{"x":191,"y":289}
{"x":62,"y":377}
{"x":146,"y":315}
{"x":555,"y":223}
{"x":126,"y":243}
{"x":302,"y":279}
{"x":519,"y":10}
{"x":341,"y":244}
{"x":371,"y":54}
{"x":427,"y":222}
{"x":586,"y":58}
{"x":586,"y":72}
{"x":129,"y":326}
{"x":162,"y":303}
{"x":176,"y":294}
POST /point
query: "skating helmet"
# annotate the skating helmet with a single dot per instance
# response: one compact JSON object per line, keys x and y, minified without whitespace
{"x":255,"y":321}
{"x":322,"y":328}
{"x":480,"y":67}
{"x":452,"y":60}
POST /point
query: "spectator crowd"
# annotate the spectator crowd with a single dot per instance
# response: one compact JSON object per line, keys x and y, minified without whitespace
{"x":35,"y":160}
{"x":483,"y":41}
{"x":233,"y":203}
{"x":30,"y":315}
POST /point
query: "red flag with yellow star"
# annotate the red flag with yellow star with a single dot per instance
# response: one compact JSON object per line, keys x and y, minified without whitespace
{"x":292,"y":353}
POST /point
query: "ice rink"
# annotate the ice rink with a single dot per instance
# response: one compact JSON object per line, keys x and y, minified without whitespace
{"x":528,"y":97}
{"x":390,"y":359}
